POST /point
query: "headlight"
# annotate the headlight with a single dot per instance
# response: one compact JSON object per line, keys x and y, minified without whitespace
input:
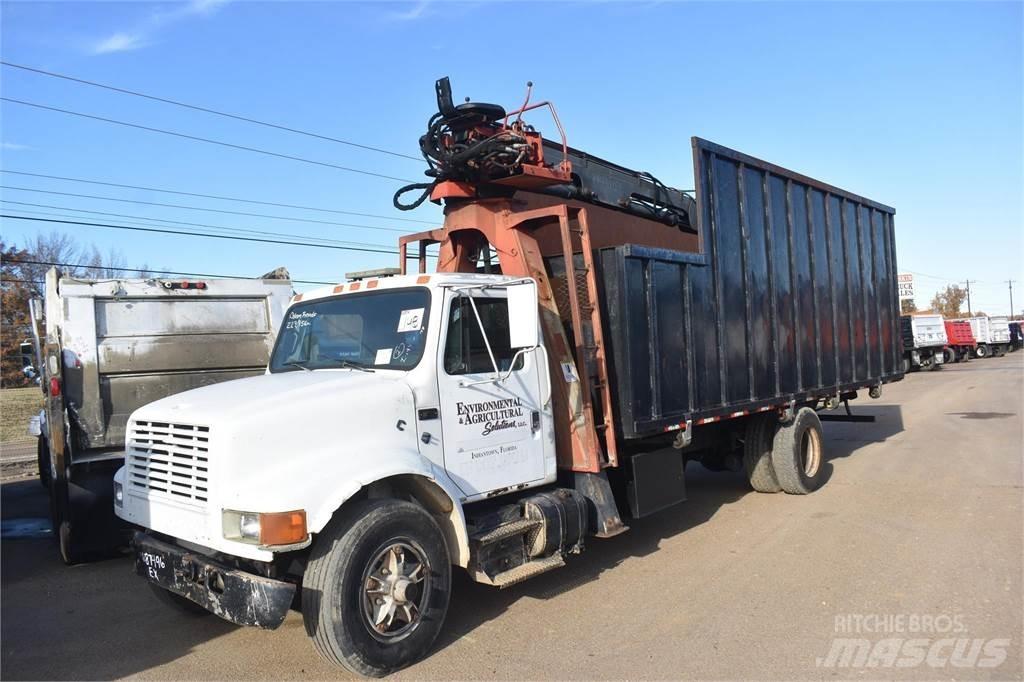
{"x":278,"y":528}
{"x":118,"y":494}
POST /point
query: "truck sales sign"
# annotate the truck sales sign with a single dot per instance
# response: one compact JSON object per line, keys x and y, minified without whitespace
{"x":906,"y":283}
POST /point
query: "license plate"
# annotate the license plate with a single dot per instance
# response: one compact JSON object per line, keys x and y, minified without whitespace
{"x":155,"y":566}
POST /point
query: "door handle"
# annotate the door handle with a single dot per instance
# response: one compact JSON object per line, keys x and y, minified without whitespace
{"x":535,"y":416}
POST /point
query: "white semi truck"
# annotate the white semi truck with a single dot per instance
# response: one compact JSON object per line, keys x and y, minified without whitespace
{"x":587,"y":332}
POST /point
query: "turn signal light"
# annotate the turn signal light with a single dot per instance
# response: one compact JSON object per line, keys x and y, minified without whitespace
{"x":283,"y":528}
{"x":54,"y":387}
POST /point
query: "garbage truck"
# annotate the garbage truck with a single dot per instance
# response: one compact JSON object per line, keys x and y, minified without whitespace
{"x":586,"y":332}
{"x":110,"y":346}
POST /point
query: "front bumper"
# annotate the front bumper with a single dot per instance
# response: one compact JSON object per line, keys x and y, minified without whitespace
{"x":236,"y":596}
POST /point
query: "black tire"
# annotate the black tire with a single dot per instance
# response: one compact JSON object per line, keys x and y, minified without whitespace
{"x":949,"y":356}
{"x":178,"y":603}
{"x":932,"y":365}
{"x":798,"y":453}
{"x":43,"y":462}
{"x":981,"y":351}
{"x":757,"y":453}
{"x":335,"y":602}
{"x":906,"y":365}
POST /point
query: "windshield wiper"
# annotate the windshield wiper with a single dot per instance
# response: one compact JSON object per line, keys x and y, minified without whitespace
{"x":353,"y":365}
{"x":297,"y":363}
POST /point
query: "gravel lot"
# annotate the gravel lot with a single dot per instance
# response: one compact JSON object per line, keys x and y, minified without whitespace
{"x":920,"y":522}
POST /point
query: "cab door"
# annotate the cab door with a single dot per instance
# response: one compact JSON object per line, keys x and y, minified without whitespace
{"x":496,"y":425}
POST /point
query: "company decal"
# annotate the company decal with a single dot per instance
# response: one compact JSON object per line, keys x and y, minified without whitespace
{"x":491,"y":416}
{"x":383,"y":356}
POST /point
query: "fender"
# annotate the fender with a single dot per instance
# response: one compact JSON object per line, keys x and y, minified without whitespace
{"x":404,"y":464}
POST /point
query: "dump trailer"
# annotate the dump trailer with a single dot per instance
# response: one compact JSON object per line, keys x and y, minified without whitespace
{"x":1016,"y":337}
{"x":961,"y":343}
{"x":924,"y":341}
{"x":112,"y":345}
{"x":992,"y":335}
{"x":588,"y":331}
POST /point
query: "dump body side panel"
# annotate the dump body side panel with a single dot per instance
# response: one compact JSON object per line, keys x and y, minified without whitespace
{"x":792,"y":296}
{"x":126,"y":343}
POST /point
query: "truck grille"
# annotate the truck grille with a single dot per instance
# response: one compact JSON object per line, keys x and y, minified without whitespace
{"x":169,"y":460}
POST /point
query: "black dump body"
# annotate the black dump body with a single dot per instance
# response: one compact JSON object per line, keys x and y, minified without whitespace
{"x":792,"y":296}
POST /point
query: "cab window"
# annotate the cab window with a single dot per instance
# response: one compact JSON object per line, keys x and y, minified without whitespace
{"x":465,"y":351}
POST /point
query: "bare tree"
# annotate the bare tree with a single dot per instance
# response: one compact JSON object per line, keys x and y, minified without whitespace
{"x":907,"y":306}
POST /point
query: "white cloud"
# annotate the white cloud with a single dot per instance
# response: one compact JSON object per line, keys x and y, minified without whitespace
{"x":119,"y":42}
{"x":144,"y":33}
{"x":418,"y":10}
{"x":14,"y":146}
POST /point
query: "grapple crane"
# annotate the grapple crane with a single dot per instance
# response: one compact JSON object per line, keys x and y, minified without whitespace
{"x":522,"y":205}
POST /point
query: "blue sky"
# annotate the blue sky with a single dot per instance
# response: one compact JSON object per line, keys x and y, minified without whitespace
{"x":916,"y":105}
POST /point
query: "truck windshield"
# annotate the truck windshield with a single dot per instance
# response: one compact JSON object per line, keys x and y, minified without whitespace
{"x":375,"y":330}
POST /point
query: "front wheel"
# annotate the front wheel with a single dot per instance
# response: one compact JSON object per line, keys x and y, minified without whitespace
{"x":981,"y":351}
{"x":375,"y":592}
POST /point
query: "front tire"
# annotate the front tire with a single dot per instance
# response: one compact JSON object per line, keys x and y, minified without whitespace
{"x":981,"y":351}
{"x":798,"y":454}
{"x":375,"y":592}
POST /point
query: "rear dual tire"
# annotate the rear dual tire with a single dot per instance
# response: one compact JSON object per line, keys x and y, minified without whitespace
{"x":757,"y":453}
{"x":798,"y":451}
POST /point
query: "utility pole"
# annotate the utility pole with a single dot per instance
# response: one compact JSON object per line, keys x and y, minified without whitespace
{"x":1010,"y":282}
{"x":968,"y":283}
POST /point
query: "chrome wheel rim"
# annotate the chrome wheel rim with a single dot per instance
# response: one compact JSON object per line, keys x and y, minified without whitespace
{"x":810,"y":452}
{"x":395,"y":586}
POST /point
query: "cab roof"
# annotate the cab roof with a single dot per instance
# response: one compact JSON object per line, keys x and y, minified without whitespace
{"x":436,"y":279}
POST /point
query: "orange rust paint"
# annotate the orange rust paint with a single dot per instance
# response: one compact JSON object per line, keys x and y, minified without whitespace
{"x":372,"y":284}
{"x":423,"y":279}
{"x":354,"y":286}
{"x":296,"y":297}
{"x":340,"y":288}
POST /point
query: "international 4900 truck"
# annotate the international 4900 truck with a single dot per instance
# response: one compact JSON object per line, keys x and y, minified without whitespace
{"x":587,"y":331}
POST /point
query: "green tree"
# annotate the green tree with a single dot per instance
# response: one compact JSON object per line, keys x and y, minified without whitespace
{"x":16,"y":288}
{"x":949,"y":301}
{"x":907,"y":306}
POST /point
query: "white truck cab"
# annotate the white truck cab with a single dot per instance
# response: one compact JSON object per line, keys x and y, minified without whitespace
{"x":434,"y":384}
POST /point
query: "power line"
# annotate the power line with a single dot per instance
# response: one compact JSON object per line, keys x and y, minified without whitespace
{"x":207,"y":110}
{"x":200,"y":208}
{"x":218,"y":197}
{"x":181,"y":222}
{"x":165,"y":272}
{"x":199,"y":234}
{"x":196,"y":138}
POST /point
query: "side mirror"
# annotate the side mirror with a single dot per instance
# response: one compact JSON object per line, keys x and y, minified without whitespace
{"x":523,"y":316}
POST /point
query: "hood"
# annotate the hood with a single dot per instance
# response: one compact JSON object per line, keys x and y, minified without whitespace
{"x":267,"y":394}
{"x":283,"y":441}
